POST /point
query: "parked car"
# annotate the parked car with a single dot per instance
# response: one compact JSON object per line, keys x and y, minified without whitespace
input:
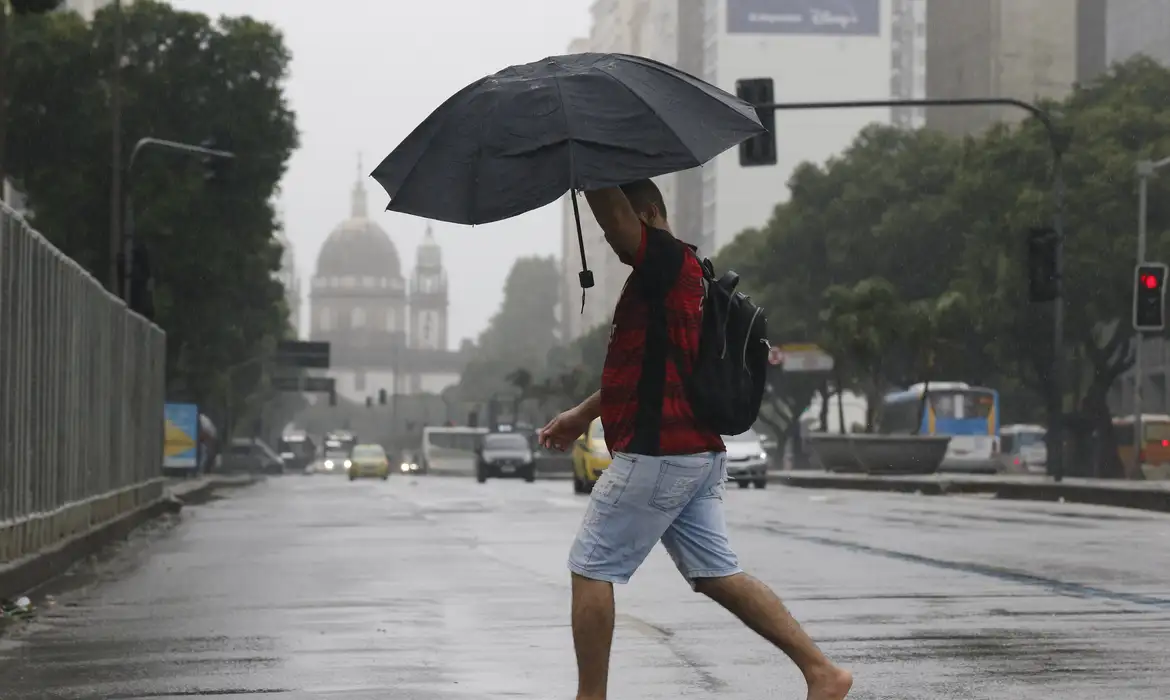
{"x":747,"y":461}
{"x":590,"y":458}
{"x":368,"y":461}
{"x":505,"y":455}
{"x":252,"y":455}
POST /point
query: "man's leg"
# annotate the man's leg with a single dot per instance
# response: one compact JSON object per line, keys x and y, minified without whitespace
{"x":593,"y":615}
{"x":631,"y":506}
{"x":697,"y":541}
{"x":761,"y":610}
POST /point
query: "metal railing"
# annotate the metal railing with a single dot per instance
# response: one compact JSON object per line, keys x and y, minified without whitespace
{"x":82,"y":381}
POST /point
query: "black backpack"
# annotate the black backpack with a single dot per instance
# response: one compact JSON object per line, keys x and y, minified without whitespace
{"x":727,"y":380}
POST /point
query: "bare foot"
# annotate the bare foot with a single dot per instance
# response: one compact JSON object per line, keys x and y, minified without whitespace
{"x":831,"y":684}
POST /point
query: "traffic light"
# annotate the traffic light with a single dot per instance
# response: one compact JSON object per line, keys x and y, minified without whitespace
{"x":381,"y":397}
{"x":1043,"y":277}
{"x":761,"y":149}
{"x":473,"y":419}
{"x":214,"y":167}
{"x":369,"y":401}
{"x":1149,"y":296}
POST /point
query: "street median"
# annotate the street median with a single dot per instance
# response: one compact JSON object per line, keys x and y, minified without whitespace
{"x":1143,"y":495}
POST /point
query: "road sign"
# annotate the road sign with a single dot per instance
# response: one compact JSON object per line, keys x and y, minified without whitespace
{"x":805,"y":357}
{"x":775,"y":356}
{"x":303,"y":353}
{"x":181,"y":449}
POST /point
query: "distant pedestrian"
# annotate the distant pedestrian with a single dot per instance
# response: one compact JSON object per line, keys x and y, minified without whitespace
{"x":666,"y":480}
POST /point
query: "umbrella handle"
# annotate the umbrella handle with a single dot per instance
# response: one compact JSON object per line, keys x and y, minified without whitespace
{"x":585,"y":276}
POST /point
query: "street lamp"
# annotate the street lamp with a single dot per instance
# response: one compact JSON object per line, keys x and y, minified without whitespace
{"x":127,"y":244}
{"x":1146,"y":169}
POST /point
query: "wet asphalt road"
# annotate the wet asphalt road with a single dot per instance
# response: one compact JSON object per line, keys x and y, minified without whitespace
{"x":439,"y":588}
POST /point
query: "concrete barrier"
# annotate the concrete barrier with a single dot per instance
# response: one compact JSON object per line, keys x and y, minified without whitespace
{"x":1142,"y":495}
{"x":879,"y":454}
{"x":35,"y":568}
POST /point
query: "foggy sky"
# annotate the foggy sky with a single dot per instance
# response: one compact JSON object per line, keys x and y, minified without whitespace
{"x":364,"y":74}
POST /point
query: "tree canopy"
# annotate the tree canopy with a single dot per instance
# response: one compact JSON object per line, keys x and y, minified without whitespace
{"x":212,"y":245}
{"x":928,"y":233}
{"x":519,"y":337}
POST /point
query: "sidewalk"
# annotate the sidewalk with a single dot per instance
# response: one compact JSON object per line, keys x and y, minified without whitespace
{"x":1142,"y":495}
{"x":23,"y":575}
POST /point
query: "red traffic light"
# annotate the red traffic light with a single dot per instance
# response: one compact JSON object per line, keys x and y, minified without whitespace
{"x":1149,"y":281}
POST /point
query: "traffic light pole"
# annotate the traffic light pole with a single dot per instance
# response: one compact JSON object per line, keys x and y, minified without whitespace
{"x":1145,"y":171}
{"x":127,"y":248}
{"x":1058,"y":142}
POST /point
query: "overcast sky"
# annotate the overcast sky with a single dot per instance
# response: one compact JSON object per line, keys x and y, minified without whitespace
{"x":364,"y":74}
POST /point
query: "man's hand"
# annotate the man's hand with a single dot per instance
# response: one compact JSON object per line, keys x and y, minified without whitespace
{"x":562,"y":431}
{"x":615,"y":215}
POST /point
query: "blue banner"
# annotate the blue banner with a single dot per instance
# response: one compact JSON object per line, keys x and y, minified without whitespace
{"x":832,"y":17}
{"x":182,"y":436}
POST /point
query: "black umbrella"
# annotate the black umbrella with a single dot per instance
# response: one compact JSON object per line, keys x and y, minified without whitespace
{"x":519,"y":139}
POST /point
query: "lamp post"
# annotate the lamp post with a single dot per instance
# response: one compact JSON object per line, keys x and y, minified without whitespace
{"x":1146,"y":169}
{"x":1058,"y":141}
{"x":116,"y":150}
{"x":127,"y":242}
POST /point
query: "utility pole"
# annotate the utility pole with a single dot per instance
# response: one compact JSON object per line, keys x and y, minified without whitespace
{"x":1146,"y":170}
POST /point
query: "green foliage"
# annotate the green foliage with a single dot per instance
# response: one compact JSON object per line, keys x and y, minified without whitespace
{"x":915,"y":226}
{"x":185,"y":78}
{"x":519,"y":337}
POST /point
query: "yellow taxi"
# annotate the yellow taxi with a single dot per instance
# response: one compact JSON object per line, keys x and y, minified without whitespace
{"x":590,"y":458}
{"x":368,"y":461}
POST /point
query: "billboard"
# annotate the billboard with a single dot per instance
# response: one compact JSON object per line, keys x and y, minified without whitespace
{"x":182,"y":436}
{"x":826,"y":17}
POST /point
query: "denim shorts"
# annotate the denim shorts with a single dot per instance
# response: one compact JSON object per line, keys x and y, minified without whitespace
{"x":640,"y":500}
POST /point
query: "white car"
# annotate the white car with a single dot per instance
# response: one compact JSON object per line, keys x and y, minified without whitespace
{"x":747,"y":461}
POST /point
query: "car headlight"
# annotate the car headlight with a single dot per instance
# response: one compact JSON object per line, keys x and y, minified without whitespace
{"x":328,"y":464}
{"x":763,"y":455}
{"x":405,"y":467}
{"x":348,"y":464}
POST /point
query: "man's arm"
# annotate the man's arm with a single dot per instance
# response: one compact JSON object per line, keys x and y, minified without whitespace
{"x":590,"y":408}
{"x":622,"y":227}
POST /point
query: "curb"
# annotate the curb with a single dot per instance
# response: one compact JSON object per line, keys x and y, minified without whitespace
{"x":27,"y":574}
{"x":1119,"y":495}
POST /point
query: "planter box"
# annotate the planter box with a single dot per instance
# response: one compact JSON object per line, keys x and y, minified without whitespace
{"x":862,"y":453}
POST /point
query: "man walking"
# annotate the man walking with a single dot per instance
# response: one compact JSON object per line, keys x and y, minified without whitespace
{"x":667,"y":475}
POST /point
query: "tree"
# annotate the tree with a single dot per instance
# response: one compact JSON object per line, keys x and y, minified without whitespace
{"x":521,"y":334}
{"x":212,"y":244}
{"x":19,"y":8}
{"x":934,"y":216}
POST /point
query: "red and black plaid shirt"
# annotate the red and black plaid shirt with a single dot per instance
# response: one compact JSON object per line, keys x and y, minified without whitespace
{"x":644,"y":407}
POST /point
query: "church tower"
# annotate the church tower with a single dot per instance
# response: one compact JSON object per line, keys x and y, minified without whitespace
{"x":428,"y":297}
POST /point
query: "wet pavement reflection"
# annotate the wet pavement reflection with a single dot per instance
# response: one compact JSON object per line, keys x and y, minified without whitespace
{"x":441,"y":588}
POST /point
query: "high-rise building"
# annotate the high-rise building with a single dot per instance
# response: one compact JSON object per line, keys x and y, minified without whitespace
{"x":1023,"y":49}
{"x":840,"y":51}
{"x":908,"y":60}
{"x":288,"y":278}
{"x":814,"y":52}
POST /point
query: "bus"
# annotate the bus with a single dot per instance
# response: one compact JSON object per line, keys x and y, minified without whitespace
{"x":1155,"y":450}
{"x":450,"y":450}
{"x":969,"y":415}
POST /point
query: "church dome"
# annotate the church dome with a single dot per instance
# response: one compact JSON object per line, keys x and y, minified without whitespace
{"x":359,"y":247}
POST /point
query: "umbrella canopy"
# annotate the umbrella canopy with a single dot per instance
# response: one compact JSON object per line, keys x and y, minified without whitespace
{"x":519,"y":139}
